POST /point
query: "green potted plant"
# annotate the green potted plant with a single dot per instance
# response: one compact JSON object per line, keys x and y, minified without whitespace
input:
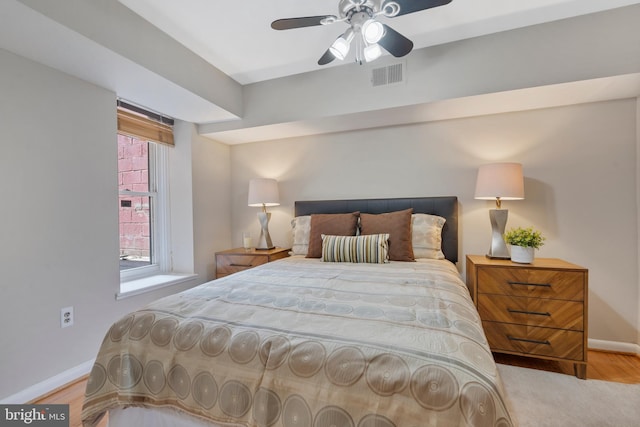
{"x":523,"y":242}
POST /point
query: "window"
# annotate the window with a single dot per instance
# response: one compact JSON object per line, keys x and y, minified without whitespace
{"x":146,"y":154}
{"x":142,"y":173}
{"x":143,"y":192}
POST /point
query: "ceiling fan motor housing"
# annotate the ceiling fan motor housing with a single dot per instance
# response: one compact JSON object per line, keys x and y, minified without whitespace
{"x":357,"y":19}
{"x":346,"y":7}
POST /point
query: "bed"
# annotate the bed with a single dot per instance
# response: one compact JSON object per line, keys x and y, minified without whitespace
{"x":313,"y":342}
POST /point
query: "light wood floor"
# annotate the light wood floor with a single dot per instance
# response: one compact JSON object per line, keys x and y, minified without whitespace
{"x":602,"y":366}
{"x":73,"y":395}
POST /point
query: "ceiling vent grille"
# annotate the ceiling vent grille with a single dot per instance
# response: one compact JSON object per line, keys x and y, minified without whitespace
{"x":390,"y":74}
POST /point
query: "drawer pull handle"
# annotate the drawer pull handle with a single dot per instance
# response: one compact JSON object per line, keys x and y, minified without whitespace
{"x":543,"y":285}
{"x":533,"y":313}
{"x":545,"y":342}
{"x":240,"y":265}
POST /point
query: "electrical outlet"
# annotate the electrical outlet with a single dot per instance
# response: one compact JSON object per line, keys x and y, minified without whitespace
{"x":66,"y":317}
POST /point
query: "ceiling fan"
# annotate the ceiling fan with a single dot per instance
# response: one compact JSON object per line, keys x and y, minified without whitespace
{"x":369,"y":34}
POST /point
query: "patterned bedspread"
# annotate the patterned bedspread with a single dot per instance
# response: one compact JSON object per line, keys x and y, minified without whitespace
{"x":301,"y":343}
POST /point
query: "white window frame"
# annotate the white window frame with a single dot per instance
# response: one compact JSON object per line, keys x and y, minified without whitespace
{"x":160,"y":217}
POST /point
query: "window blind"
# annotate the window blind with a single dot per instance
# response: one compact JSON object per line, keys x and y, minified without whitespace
{"x":139,"y":123}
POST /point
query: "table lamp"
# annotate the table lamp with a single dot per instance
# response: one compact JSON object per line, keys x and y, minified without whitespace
{"x":263,"y":192}
{"x":499,"y":181}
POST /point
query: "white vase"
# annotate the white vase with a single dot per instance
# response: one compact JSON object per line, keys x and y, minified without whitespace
{"x":522,"y":254}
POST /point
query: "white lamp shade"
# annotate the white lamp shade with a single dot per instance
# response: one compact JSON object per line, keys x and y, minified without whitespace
{"x":340,"y":48}
{"x":263,"y":192}
{"x":372,"y":31}
{"x":500,"y":180}
{"x":372,"y":52}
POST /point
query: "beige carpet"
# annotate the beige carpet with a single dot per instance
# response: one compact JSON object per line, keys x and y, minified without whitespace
{"x":540,"y":398}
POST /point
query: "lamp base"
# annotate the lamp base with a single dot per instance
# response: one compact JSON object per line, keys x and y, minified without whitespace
{"x":492,"y":256}
{"x":264,"y":241}
{"x":498,"y":249}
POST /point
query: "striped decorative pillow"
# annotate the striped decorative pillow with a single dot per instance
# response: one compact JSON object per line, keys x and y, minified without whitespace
{"x":370,"y":248}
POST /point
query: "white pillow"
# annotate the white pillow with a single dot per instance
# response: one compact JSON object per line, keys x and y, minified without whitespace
{"x":301,"y":228}
{"x":426,"y":236}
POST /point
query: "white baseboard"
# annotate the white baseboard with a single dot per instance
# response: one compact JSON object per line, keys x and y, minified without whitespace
{"x":48,"y":385}
{"x":615,"y":346}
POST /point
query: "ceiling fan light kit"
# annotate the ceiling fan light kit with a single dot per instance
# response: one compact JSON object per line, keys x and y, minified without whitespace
{"x":372,"y":31}
{"x":370,"y":35}
{"x":340,"y":47}
{"x":372,"y":52}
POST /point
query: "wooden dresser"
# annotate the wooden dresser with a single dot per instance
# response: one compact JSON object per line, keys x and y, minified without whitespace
{"x":536,"y":310}
{"x":240,"y":259}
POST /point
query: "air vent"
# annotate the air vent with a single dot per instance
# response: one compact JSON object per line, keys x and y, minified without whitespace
{"x":390,"y":74}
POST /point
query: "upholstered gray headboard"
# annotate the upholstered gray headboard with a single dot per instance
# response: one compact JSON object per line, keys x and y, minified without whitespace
{"x":446,"y":207}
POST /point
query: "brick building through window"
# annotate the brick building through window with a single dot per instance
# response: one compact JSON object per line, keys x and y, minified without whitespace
{"x":134,"y":210}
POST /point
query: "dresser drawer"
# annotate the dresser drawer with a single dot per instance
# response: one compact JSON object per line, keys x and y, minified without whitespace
{"x":229,"y":264}
{"x":538,"y":283}
{"x":548,"y":313}
{"x":533,"y":340}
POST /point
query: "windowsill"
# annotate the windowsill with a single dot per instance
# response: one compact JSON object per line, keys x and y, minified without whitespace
{"x":151,"y":283}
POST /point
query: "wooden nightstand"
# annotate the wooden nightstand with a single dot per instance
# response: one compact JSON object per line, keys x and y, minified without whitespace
{"x":536,"y":310}
{"x":240,"y":259}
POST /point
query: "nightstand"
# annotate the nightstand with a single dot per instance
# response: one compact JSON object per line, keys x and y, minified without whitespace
{"x":240,"y":259}
{"x":536,"y":310}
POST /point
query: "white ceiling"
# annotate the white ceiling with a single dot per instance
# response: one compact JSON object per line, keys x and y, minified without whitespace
{"x":235,"y":35}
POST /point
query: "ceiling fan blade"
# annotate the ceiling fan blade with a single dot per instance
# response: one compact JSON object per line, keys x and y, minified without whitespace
{"x":290,"y":23}
{"x":326,"y":58}
{"x":410,"y":6}
{"x":395,"y":43}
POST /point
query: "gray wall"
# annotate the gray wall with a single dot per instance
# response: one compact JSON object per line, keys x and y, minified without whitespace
{"x":59,"y":218}
{"x":211,"y":200}
{"x":580,"y":184}
{"x":580,"y":162}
